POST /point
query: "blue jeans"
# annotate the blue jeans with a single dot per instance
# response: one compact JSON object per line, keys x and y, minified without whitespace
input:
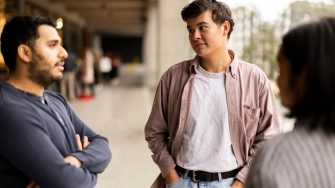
{"x":186,"y":182}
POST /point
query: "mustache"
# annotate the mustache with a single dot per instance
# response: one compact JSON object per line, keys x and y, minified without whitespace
{"x":61,"y":61}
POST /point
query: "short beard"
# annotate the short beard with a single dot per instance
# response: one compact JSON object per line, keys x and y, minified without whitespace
{"x":40,"y":76}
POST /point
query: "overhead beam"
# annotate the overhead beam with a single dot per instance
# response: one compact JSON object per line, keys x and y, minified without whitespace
{"x":93,"y":4}
{"x":60,"y":8}
{"x":114,"y":16}
{"x":114,"y":21}
{"x":112,"y":12}
{"x":135,"y":30}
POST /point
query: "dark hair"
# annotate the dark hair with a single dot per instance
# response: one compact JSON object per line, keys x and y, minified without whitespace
{"x":20,"y":30}
{"x":310,"y":51}
{"x":220,"y":11}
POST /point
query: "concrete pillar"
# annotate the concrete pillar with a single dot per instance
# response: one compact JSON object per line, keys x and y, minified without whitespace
{"x":79,"y":41}
{"x":165,"y":38}
{"x":150,"y":45}
{"x":96,"y":42}
{"x":173,"y":44}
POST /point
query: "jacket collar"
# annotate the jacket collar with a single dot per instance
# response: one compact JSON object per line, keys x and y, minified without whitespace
{"x":232,"y":68}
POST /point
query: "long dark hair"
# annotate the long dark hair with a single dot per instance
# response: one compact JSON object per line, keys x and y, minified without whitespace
{"x":312,"y":47}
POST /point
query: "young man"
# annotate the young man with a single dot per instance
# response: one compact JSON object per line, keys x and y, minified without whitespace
{"x":210,"y":114}
{"x":43,"y":142}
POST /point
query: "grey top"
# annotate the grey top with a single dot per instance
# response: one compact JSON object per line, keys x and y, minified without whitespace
{"x":298,"y":159}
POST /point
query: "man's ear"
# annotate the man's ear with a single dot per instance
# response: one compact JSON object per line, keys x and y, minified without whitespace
{"x":24,"y":52}
{"x":226,"y":27}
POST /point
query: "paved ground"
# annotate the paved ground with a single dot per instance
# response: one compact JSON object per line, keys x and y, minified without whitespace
{"x":120,"y":113}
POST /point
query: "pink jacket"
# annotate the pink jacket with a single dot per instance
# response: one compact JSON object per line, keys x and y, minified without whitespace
{"x":253,"y":114}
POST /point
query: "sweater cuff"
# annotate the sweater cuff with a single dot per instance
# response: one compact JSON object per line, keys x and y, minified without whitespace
{"x":82,"y":158}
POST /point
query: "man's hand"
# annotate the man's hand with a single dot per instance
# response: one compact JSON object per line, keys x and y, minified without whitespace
{"x":82,"y":144}
{"x":237,"y":184}
{"x":32,"y":184}
{"x":172,"y":176}
{"x":72,"y":160}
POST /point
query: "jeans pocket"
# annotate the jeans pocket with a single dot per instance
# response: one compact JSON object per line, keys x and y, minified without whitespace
{"x":174,"y":184}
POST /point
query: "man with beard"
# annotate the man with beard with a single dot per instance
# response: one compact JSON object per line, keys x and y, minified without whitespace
{"x":43,"y":142}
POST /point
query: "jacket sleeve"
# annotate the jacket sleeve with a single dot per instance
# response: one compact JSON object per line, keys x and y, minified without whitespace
{"x":268,"y":125}
{"x":156,"y":129}
{"x":26,"y":144}
{"x":97,"y":155}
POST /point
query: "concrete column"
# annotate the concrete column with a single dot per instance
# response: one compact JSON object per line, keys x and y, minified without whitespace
{"x":150,"y":45}
{"x":165,"y":38}
{"x":79,"y":41}
{"x":173,"y":44}
{"x":96,"y":42}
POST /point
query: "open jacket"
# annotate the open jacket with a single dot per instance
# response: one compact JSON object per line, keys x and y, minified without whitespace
{"x":252,"y":110}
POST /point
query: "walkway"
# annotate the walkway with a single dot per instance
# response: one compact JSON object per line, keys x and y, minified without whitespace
{"x":120,"y":113}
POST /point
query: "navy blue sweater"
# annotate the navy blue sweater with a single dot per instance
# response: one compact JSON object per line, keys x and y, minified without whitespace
{"x":35,"y":137}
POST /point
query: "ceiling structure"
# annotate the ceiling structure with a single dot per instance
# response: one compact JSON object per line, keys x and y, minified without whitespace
{"x":125,"y":17}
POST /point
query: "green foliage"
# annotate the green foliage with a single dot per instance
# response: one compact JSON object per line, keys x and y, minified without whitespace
{"x":262,"y":39}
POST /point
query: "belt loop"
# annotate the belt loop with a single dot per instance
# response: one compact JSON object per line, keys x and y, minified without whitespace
{"x":220,"y":177}
{"x":186,"y":174}
{"x":194,"y":178}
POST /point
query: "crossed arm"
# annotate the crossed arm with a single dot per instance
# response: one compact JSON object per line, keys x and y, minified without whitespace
{"x":35,"y":152}
{"x":82,"y":144}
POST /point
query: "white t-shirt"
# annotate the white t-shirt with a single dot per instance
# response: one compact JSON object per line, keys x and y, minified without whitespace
{"x":207,"y":143}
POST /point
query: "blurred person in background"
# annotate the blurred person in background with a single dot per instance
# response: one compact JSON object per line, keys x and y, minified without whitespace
{"x":303,"y":158}
{"x":86,"y":76}
{"x":105,"y":67}
{"x":3,"y":71}
{"x":211,"y":113}
{"x":43,"y":141}
{"x":67,"y":84}
{"x":116,"y":65}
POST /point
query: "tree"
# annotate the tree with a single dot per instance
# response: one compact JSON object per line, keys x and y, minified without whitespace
{"x":304,"y":11}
